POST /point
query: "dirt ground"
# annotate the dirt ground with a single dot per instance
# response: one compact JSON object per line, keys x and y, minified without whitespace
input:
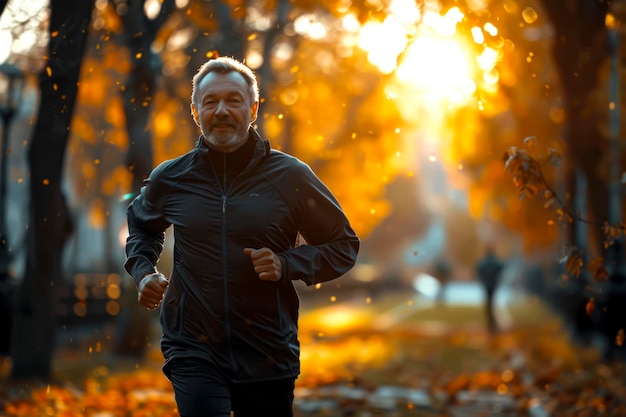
{"x":394,"y":355}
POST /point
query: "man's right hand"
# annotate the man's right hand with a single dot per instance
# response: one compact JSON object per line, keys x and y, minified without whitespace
{"x":151,"y":290}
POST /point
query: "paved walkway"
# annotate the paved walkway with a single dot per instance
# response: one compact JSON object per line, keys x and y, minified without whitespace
{"x":421,"y":314}
{"x":356,"y":332}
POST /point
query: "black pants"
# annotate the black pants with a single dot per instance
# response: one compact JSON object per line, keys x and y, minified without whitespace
{"x":202,"y":391}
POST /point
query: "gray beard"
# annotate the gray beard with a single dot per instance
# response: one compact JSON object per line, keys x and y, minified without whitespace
{"x":227,"y":143}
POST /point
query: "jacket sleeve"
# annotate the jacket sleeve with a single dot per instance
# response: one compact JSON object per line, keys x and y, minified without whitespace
{"x":332,"y":245}
{"x":146,"y":227}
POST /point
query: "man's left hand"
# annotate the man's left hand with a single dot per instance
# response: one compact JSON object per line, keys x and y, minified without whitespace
{"x":266,"y":264}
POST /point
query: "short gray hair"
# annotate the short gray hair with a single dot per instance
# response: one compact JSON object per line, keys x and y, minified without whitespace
{"x":224,"y":65}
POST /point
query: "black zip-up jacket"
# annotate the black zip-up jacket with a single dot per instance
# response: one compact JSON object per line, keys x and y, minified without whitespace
{"x":215,"y":306}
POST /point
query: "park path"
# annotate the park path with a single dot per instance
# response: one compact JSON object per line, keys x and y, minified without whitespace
{"x":391,"y":353}
{"x":454,"y":327}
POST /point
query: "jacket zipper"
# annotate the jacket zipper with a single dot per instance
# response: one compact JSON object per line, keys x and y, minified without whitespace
{"x":225,"y":272}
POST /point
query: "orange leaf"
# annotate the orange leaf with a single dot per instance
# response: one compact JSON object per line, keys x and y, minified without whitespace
{"x":574,"y":263}
{"x":597,"y":269}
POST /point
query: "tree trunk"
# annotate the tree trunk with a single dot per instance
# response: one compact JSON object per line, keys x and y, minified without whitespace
{"x":229,"y":40}
{"x":266,"y":72}
{"x":49,"y":220}
{"x":232,"y":36}
{"x":3,"y":5}
{"x":580,"y":51}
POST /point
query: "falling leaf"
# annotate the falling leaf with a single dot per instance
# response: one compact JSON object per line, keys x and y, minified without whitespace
{"x":574,"y":263}
{"x":597,"y":269}
{"x":611,"y":231}
{"x":591,"y":304}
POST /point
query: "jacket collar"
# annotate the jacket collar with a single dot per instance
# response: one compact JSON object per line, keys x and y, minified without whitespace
{"x":261,"y":147}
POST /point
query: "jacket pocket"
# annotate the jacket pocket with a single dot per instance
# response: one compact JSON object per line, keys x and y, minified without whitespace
{"x":173,"y":316}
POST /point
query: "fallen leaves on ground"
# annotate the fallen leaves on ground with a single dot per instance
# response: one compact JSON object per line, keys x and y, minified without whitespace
{"x":528,"y":371}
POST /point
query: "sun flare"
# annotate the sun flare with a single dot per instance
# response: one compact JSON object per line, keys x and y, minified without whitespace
{"x":429,"y":59}
{"x":438,"y":69}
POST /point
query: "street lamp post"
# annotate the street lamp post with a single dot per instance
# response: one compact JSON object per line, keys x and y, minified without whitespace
{"x":11,"y":87}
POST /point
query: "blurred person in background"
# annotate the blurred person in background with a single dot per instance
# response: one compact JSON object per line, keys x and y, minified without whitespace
{"x":230,"y":309}
{"x":488,"y":270}
{"x":442,"y":271}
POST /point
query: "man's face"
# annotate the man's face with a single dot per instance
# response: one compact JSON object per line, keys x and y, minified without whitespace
{"x":223,"y":110}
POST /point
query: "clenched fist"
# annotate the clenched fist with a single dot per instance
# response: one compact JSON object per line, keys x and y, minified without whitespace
{"x":266,"y":264}
{"x":151,"y":290}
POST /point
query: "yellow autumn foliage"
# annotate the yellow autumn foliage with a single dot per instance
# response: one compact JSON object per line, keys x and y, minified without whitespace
{"x":357,"y":128}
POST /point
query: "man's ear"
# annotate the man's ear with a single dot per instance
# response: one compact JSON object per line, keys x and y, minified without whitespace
{"x":194,"y":113}
{"x":254,"y":111}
